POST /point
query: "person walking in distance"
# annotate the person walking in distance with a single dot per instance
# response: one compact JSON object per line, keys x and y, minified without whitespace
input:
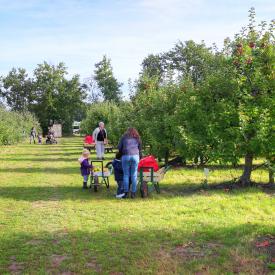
{"x":32,"y":135}
{"x":100,"y":138}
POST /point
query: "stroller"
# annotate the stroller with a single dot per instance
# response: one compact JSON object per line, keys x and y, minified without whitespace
{"x":50,"y":139}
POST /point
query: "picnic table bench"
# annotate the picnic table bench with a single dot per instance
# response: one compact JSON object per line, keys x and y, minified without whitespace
{"x":91,"y":146}
{"x":109,"y":149}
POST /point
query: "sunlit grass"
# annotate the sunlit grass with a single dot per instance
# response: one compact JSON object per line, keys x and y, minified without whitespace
{"x":48,"y":224}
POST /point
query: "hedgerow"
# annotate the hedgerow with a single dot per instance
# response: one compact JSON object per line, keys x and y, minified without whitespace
{"x":15,"y":126}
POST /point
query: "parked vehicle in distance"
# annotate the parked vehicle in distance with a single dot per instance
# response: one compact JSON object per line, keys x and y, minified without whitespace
{"x":76,"y":127}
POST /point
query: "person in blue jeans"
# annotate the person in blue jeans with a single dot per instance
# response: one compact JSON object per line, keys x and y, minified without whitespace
{"x":130,"y":148}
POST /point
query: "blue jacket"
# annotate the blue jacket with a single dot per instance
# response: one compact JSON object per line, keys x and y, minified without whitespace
{"x":85,"y":167}
{"x":129,"y":146}
{"x":118,"y":171}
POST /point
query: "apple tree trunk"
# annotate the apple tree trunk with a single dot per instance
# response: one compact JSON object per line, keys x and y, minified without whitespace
{"x":271,"y":176}
{"x":245,"y":179}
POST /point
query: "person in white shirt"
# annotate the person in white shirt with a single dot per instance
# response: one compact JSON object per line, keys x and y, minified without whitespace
{"x":100,"y":138}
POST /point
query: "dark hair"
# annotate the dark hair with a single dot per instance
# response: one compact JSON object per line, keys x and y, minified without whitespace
{"x":132,"y":133}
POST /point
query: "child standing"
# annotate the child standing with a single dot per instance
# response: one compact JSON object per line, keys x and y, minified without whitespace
{"x":39,"y":137}
{"x":85,"y":167}
{"x":118,"y":171}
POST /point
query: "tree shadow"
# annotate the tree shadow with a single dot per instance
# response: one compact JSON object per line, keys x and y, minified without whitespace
{"x":117,"y":250}
{"x":168,"y":191}
{"x":53,"y":153}
{"x":216,"y":167}
{"x":44,"y":146}
{"x":57,"y":159}
{"x":42,"y":170}
{"x":55,"y":193}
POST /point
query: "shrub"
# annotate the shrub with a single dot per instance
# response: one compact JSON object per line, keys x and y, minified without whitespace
{"x":113,"y":115}
{"x":15,"y":126}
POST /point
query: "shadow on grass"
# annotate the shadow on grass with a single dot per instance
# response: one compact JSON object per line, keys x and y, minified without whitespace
{"x":44,"y":146}
{"x":58,"y":153}
{"x":60,"y":149}
{"x":49,"y":193}
{"x":46,"y":170}
{"x":52,"y":153}
{"x":217,"y":167}
{"x":57,"y":159}
{"x":186,"y":189}
{"x":132,"y":251}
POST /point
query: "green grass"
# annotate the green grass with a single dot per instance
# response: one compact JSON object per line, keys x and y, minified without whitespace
{"x":48,"y":224}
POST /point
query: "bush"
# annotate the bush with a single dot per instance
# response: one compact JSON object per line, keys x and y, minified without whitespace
{"x":15,"y":126}
{"x":115,"y":116}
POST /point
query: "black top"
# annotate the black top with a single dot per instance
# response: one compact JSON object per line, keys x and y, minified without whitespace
{"x":118,"y":171}
{"x":101,"y":135}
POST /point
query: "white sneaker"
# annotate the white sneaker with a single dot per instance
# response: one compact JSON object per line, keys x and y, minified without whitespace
{"x":120,"y":196}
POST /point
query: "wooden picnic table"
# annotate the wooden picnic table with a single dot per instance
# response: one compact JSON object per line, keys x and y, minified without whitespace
{"x":108,"y":148}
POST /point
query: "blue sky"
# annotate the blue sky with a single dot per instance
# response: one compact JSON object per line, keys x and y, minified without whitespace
{"x":80,"y":32}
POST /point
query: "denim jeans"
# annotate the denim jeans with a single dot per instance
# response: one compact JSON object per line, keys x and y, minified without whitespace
{"x":120,"y":188}
{"x":130,"y":167}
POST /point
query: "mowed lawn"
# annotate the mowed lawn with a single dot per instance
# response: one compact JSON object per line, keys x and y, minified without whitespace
{"x":49,"y":225}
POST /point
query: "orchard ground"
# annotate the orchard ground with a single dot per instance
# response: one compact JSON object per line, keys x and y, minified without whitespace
{"x":48,"y":224}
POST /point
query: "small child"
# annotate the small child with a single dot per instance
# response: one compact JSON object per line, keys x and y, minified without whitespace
{"x":39,"y":138}
{"x":118,"y":171}
{"x":85,"y":167}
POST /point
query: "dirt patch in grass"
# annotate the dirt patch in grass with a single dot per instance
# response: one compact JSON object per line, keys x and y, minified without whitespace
{"x":167,"y":264}
{"x":15,"y":267}
{"x":164,"y":261}
{"x":242,"y":264}
{"x":170,"y":261}
{"x":265,"y":245}
{"x":93,"y":265}
{"x":56,"y":260}
{"x":45,"y":204}
{"x":191,"y":250}
{"x":34,"y":242}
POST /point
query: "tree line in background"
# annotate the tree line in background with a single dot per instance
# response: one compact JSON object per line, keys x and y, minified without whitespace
{"x":201,"y":103}
{"x":53,"y":97}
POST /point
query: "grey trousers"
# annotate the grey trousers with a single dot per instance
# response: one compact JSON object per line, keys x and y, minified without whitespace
{"x":99,"y":149}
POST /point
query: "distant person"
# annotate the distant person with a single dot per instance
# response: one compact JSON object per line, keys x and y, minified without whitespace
{"x":85,"y":167}
{"x":100,"y":138}
{"x":130,"y":148}
{"x":32,"y":135}
{"x":50,"y":138}
{"x":51,"y":131}
{"x":39,"y":138}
